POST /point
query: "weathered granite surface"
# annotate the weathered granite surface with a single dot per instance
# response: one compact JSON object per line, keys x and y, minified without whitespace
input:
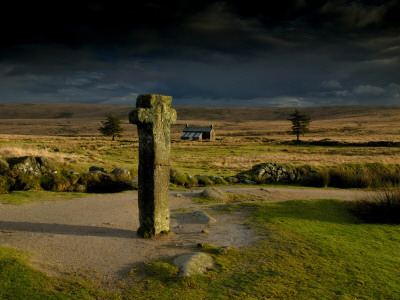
{"x":153,"y":116}
{"x":193,"y":263}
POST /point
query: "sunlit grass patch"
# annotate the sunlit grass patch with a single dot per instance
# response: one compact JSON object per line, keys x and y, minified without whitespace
{"x":19,"y":280}
{"x":311,"y":249}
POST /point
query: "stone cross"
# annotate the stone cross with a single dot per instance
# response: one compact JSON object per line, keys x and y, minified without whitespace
{"x":153,"y":116}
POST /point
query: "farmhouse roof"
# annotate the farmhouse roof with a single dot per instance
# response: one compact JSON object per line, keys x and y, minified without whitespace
{"x":198,"y":129}
{"x":191,"y":134}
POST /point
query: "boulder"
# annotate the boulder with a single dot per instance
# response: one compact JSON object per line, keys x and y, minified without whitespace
{"x":266,"y":177}
{"x":132,"y":184}
{"x":79,"y":188}
{"x":193,"y":263}
{"x":259,"y":173}
{"x":204,"y":180}
{"x":47,"y":165}
{"x":200,"y":217}
{"x":26,"y":164}
{"x":121,"y":174}
{"x":214,"y":194}
{"x":33,"y":166}
{"x":98,"y":182}
{"x":95,"y":168}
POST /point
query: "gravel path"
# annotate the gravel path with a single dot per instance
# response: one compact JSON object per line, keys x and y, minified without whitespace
{"x":99,"y":232}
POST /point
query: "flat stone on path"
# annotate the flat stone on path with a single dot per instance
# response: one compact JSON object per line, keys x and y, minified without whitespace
{"x":196,"y":217}
{"x":215,"y":194}
{"x":203,"y":218}
{"x":193,"y":263}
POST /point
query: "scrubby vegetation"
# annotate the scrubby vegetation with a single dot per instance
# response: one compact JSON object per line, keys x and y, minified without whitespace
{"x":382,"y":208}
{"x":40,"y":173}
{"x":370,"y":175}
{"x":37,"y":173}
{"x":177,"y":177}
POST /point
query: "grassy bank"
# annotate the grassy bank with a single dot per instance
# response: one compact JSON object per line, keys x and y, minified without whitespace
{"x":19,"y":280}
{"x":310,"y":249}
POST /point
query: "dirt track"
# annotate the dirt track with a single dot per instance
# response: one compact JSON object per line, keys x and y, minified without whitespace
{"x":99,"y":232}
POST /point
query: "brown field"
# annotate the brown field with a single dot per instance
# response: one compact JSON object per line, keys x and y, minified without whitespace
{"x":245,"y":136}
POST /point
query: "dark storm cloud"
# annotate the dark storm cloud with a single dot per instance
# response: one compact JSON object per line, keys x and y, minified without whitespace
{"x":286,"y":53}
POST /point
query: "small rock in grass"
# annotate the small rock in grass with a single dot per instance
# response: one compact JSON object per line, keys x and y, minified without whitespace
{"x":121,"y":174}
{"x":95,"y":168}
{"x":214,"y":194}
{"x":225,"y":249}
{"x":193,"y":263}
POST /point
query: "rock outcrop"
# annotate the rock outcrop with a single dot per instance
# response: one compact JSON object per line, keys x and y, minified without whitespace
{"x":33,"y":166}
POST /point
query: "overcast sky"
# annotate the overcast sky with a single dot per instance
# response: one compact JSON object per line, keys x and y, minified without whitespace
{"x":219,"y":53}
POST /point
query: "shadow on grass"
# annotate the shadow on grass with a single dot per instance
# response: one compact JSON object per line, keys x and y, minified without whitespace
{"x":79,"y":230}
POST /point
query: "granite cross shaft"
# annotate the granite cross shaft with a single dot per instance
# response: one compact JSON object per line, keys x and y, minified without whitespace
{"x":153,"y":116}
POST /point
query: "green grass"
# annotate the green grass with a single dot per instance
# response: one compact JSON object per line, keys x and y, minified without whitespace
{"x":18,"y":280}
{"x":344,"y":257}
{"x":21,"y":197}
{"x":310,"y":249}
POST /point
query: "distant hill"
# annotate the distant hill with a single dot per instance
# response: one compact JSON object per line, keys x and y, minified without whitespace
{"x":193,"y":113}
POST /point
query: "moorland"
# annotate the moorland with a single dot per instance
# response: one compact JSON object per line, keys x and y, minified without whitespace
{"x":69,"y":134}
{"x":308,"y":248}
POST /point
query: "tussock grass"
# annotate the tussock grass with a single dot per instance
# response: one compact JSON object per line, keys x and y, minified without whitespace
{"x":383,"y":208}
{"x":18,"y":151}
{"x":223,"y":157}
{"x":374,"y":175}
